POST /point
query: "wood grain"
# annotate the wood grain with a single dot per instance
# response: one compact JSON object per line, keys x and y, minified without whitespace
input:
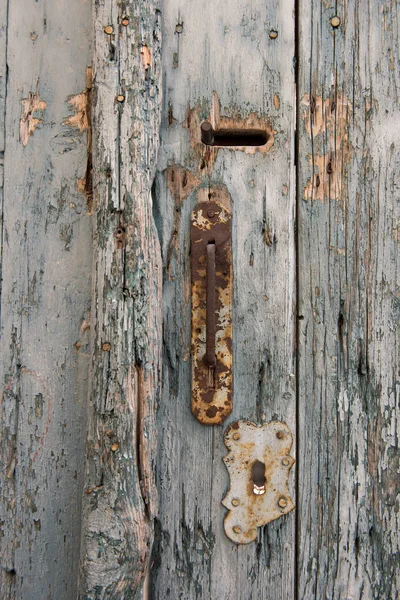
{"x":220,"y":64}
{"x":348,"y":463}
{"x":120,"y":499}
{"x":45,"y":298}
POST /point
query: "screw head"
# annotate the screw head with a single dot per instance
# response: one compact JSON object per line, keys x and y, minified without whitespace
{"x":236,"y":529}
{"x":115,"y":447}
{"x":120,"y":98}
{"x":286,"y":462}
{"x":282,"y":502}
{"x":273,"y":34}
{"x":236,"y":436}
{"x":235,"y":502}
{"x":125,"y":21}
{"x":335,"y":21}
{"x":109,"y":29}
{"x":106,"y":346}
{"x":280,"y":434}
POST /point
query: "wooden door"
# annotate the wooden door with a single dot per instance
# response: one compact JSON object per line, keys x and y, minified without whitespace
{"x":316,"y":295}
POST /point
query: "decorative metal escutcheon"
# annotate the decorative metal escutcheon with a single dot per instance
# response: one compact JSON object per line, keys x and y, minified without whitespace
{"x":211,"y":262}
{"x":259,"y":464}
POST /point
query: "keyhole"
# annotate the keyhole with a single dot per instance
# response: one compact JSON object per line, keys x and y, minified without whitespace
{"x":258,"y":475}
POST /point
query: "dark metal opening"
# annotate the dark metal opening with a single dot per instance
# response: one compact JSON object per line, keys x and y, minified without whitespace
{"x":232,"y":137}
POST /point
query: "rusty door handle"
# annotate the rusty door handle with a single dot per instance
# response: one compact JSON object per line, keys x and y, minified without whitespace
{"x":210,"y":306}
{"x":211,"y":266}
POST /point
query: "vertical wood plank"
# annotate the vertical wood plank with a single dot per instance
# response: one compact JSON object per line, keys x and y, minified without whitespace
{"x":45,"y":300}
{"x":120,"y":500}
{"x":349,"y":217}
{"x":219,"y":59}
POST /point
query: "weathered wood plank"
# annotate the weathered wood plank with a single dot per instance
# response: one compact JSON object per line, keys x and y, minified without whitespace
{"x":349,"y":217}
{"x":45,"y":299}
{"x":3,"y":88}
{"x":120,"y":499}
{"x":219,"y":57}
{"x":3,"y":69}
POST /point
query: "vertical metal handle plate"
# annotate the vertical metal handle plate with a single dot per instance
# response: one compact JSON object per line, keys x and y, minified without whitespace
{"x":211,"y":261}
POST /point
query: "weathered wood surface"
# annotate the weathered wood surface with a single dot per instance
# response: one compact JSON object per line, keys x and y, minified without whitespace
{"x":349,"y":235}
{"x":219,"y":63}
{"x":120,"y":499}
{"x":45,"y":296}
{"x":220,"y":57}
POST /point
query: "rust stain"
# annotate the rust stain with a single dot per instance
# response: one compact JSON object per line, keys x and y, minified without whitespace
{"x":253,"y":505}
{"x":28,"y":121}
{"x":329,"y":118}
{"x":212,"y":386}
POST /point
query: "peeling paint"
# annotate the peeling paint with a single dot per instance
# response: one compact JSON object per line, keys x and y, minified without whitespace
{"x":81,"y":104}
{"x":28,"y":122}
{"x":329,"y":118}
{"x":145,"y":57}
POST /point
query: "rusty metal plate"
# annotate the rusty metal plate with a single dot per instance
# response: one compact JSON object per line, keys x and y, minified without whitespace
{"x":211,"y":222}
{"x":253,"y":503}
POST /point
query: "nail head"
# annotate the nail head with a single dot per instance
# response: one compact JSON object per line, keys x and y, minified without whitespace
{"x":236,"y":436}
{"x":280,"y":435}
{"x":115,"y":447}
{"x":237,"y":529}
{"x":235,"y":502}
{"x":109,"y":29}
{"x":125,"y":21}
{"x":120,"y":98}
{"x":282,"y":502}
{"x":335,"y":21}
{"x":273,"y":34}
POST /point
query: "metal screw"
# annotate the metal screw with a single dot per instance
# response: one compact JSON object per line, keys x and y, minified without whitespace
{"x":115,"y":447}
{"x":120,"y":98}
{"x":273,"y":34}
{"x":282,"y":502}
{"x":106,"y":346}
{"x":236,"y":436}
{"x":280,"y":435}
{"x":335,"y":21}
{"x":237,"y":529}
{"x":125,"y":21}
{"x":235,"y":502}
{"x":109,"y":29}
{"x":286,"y":462}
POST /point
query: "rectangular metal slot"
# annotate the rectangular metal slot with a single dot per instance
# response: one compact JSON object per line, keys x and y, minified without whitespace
{"x":232,"y":137}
